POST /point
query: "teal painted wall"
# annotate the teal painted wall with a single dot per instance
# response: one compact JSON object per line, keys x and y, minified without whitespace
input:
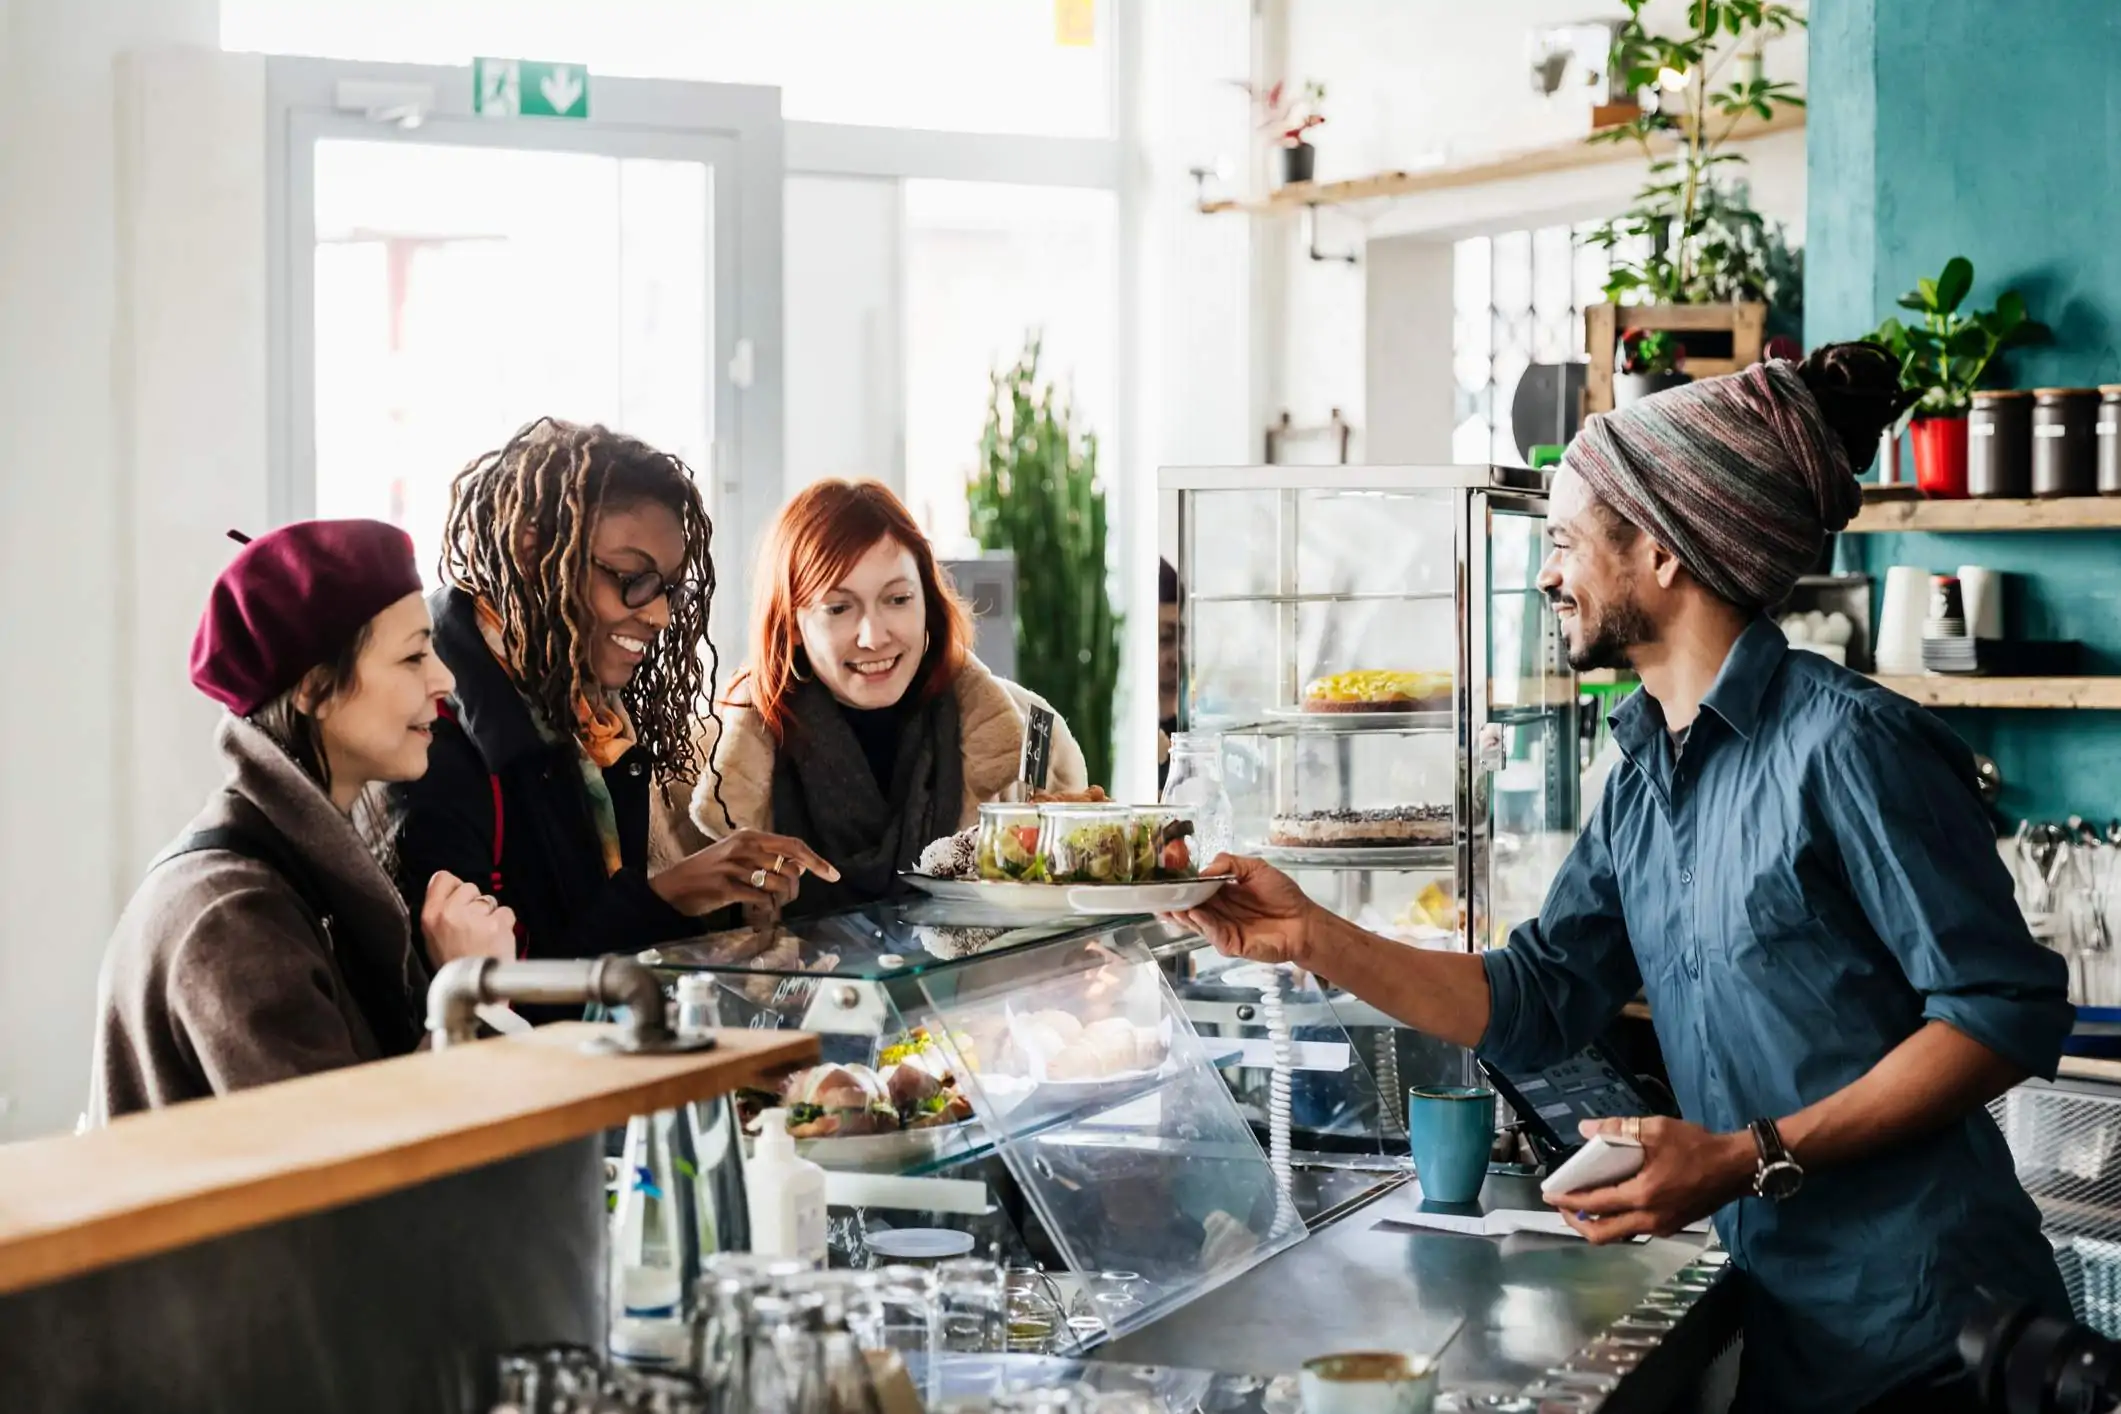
{"x":1990,"y":130}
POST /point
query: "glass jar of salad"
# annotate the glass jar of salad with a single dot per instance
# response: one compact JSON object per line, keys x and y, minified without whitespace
{"x":1008,"y":844}
{"x":1087,"y":844}
{"x":1163,"y":844}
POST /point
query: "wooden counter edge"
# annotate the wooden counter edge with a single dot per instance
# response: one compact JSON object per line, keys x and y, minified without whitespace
{"x":162,"y":1180}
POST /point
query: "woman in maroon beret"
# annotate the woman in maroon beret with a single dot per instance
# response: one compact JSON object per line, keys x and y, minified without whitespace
{"x":270,"y":941}
{"x":574,"y":617}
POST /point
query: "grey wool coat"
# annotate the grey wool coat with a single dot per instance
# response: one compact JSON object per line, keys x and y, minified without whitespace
{"x":219,"y":978}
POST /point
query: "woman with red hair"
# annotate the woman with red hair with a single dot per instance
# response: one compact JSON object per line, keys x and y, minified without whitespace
{"x":863,"y":726}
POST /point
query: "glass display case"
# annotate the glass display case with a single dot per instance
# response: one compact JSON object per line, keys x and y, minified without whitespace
{"x":1368,"y":653}
{"x":1031,"y":1085}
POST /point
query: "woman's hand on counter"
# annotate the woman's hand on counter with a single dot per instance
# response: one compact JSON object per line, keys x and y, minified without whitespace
{"x":1260,"y":915}
{"x":458,"y":919}
{"x":1687,"y":1174}
{"x":749,"y":866}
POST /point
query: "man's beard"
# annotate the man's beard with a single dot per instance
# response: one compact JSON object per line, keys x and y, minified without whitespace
{"x":1620,"y":627}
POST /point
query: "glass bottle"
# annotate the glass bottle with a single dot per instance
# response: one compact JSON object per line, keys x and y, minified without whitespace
{"x":1196,"y":782}
{"x":654,"y":1238}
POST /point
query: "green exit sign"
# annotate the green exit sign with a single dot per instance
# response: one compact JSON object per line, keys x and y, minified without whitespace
{"x":529,"y":88}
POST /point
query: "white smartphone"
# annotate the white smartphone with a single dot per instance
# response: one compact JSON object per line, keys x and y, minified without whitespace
{"x":1605,"y":1159}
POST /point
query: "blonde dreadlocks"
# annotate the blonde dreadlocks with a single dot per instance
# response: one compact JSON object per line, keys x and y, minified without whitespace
{"x":518,"y":538}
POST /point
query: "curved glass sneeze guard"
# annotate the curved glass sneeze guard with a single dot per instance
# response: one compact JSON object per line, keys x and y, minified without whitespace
{"x":904,"y":938}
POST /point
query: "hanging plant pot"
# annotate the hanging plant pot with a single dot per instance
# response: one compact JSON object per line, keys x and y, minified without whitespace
{"x":1634,"y":387}
{"x":1299,"y":160}
{"x":1940,"y":456}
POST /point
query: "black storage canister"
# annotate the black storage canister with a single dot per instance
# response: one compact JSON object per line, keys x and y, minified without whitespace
{"x":1999,"y":444}
{"x":2110,"y":440}
{"x":2064,"y":458}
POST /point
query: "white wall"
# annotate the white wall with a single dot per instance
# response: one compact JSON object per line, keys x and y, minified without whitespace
{"x":1187,"y":299}
{"x":842,"y":320}
{"x":70,"y":443}
{"x":1413,"y":83}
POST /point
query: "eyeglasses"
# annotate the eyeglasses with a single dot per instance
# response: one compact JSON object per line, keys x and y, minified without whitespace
{"x":640,"y":589}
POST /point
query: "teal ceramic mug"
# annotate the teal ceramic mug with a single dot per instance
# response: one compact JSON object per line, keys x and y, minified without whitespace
{"x":1451,"y":1129}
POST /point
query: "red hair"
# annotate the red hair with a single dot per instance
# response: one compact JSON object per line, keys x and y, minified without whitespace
{"x":819,"y":536}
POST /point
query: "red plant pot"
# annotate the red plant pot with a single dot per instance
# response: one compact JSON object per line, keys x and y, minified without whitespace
{"x":1940,"y":456}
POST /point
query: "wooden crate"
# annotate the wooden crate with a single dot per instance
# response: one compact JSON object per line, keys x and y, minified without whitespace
{"x":1602,"y":323}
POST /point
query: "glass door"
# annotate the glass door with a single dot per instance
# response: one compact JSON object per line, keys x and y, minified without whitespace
{"x":1525,"y":742}
{"x":450,"y":277}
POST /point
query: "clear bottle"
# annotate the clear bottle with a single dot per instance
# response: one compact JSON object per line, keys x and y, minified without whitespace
{"x":709,"y":1148}
{"x":1196,"y":783}
{"x":654,"y":1242}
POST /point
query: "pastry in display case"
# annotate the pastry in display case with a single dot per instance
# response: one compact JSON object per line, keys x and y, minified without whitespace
{"x":989,"y":1081}
{"x":1368,"y":650}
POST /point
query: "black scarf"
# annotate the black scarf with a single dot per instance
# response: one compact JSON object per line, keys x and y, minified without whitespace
{"x":825,"y":794}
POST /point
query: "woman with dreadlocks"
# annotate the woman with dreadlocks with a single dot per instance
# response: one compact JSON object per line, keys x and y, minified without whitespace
{"x":576,"y":589}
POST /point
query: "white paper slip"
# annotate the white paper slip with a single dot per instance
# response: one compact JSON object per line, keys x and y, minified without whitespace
{"x":1503,"y":1222}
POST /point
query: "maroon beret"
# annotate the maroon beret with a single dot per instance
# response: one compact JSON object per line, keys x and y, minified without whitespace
{"x":291,"y":601}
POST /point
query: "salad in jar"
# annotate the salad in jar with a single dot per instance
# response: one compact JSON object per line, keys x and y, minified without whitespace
{"x":1008,"y":851}
{"x":1163,"y":844}
{"x":1087,"y":844}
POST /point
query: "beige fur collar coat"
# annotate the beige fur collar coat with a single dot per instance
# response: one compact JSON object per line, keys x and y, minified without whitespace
{"x":991,"y":716}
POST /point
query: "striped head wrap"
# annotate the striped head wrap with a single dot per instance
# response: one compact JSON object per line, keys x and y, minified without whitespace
{"x":1740,"y":477}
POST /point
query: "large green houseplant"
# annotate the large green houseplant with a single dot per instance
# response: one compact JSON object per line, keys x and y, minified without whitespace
{"x":1943,"y":356}
{"x":1691,"y":236}
{"x":1037,"y":494}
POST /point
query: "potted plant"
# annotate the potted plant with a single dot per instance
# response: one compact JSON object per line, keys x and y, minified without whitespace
{"x":1285,"y":117}
{"x":1037,"y":493}
{"x":1647,"y":361}
{"x":1944,"y":357}
{"x":1691,"y":238}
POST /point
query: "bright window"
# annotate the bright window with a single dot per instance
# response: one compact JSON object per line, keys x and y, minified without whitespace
{"x":1517,"y":299}
{"x":997,"y":66}
{"x":461,"y":292}
{"x":985,"y":265}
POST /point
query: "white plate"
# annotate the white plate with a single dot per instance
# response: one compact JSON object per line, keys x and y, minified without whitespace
{"x":888,"y":1153}
{"x":1361,"y":721}
{"x":1054,"y":900}
{"x":1417,"y":856}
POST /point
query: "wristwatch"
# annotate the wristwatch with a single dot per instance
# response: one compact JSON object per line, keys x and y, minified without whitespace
{"x":1779,"y":1176}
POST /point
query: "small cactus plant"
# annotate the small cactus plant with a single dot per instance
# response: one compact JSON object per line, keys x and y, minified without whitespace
{"x":1036,"y":493}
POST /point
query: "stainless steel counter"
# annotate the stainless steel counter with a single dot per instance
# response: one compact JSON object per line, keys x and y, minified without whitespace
{"x":1531,"y":1302}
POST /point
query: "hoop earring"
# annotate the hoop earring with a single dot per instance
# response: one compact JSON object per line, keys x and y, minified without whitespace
{"x":795,"y":663}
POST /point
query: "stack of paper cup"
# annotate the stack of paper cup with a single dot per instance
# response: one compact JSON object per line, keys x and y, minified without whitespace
{"x":1907,"y":596}
{"x":1983,"y":591}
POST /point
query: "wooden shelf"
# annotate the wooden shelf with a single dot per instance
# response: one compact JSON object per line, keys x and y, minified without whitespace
{"x":1506,"y":167}
{"x":2066,"y":513}
{"x":2090,"y":1068}
{"x":169,"y":1178}
{"x":1942,"y":690}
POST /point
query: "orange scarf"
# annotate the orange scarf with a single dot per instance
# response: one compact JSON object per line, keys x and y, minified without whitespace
{"x":602,"y":728}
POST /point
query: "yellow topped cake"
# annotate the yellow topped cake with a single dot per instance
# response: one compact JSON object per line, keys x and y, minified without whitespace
{"x":1379,"y":690}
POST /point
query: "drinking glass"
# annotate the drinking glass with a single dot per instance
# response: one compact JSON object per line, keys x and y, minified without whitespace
{"x":973,"y":1306}
{"x":1036,"y":1317}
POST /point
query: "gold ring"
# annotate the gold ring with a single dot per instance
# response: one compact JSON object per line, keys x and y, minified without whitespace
{"x":493,"y":905}
{"x":778,"y":861}
{"x":758,"y":878}
{"x":1634,"y":1130}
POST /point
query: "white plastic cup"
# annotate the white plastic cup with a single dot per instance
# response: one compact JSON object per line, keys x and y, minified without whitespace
{"x":1981,"y":589}
{"x":1907,"y":596}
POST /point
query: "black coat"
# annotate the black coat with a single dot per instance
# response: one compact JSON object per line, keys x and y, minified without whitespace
{"x":552,"y":864}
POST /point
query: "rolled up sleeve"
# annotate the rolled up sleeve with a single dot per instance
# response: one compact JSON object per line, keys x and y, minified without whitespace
{"x":1921,"y":860}
{"x":1565,"y":975}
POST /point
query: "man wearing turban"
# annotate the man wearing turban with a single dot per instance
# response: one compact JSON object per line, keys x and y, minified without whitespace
{"x":1792,"y":863}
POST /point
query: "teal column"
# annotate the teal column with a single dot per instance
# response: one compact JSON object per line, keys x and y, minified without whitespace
{"x":1989,"y":129}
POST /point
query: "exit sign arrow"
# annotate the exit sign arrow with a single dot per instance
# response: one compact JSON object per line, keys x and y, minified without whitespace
{"x":529,"y":88}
